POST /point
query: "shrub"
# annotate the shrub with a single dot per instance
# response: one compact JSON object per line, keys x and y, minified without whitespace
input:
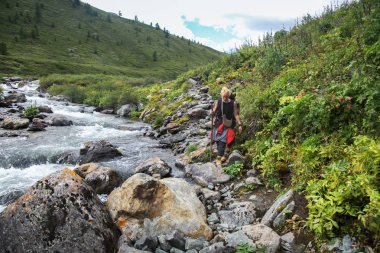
{"x":234,"y":169}
{"x":30,"y":111}
{"x":190,"y":149}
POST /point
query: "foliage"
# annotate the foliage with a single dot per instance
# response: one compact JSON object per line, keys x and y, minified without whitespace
{"x":31,"y":111}
{"x":347,"y":190}
{"x":190,"y":149}
{"x":234,"y":169}
{"x":244,"y":248}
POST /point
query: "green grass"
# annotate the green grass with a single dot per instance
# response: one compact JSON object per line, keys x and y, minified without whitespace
{"x":70,"y":41}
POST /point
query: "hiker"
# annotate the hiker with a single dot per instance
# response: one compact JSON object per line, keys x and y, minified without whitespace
{"x":225,"y":121}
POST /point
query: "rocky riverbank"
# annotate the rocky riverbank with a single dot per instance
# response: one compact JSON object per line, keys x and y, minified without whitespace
{"x":202,"y":209}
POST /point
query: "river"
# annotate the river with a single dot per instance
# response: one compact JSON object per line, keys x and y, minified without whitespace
{"x":24,"y":160}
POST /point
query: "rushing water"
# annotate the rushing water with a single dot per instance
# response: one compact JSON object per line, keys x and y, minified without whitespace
{"x":24,"y":160}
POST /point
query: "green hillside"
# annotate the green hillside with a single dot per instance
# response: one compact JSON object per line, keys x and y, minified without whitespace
{"x":310,"y":103}
{"x":70,"y":37}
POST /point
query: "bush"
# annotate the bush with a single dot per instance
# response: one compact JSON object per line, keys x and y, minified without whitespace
{"x":30,"y":111}
{"x":234,"y":169}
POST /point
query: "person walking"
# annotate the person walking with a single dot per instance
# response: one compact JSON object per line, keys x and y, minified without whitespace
{"x":226,"y":113}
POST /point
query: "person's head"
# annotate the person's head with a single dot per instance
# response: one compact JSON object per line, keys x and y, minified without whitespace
{"x":225,"y":93}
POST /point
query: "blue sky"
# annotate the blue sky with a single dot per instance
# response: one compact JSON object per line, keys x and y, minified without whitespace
{"x":220,"y":24}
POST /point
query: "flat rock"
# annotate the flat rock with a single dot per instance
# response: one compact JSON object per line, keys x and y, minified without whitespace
{"x":153,"y":166}
{"x":93,"y":151}
{"x":209,"y":172}
{"x":15,"y":123}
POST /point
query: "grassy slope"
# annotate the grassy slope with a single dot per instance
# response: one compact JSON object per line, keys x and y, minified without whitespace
{"x":310,"y":101}
{"x":63,"y":45}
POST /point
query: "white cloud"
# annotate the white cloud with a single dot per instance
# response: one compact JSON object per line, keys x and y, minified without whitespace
{"x":213,"y":13}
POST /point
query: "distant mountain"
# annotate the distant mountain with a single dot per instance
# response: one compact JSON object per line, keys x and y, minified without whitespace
{"x":68,"y":36}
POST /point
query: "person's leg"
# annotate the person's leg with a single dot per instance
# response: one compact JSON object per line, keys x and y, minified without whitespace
{"x":221,"y":148}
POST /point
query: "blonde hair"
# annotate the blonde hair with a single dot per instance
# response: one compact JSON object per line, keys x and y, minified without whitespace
{"x":225,"y":90}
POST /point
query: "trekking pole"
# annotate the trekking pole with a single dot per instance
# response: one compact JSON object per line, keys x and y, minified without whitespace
{"x":212,"y":134}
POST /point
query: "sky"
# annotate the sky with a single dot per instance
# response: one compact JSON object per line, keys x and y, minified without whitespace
{"x":221,"y":24}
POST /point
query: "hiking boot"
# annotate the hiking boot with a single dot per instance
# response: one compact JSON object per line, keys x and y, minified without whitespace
{"x":223,"y":159}
{"x":218,"y":160}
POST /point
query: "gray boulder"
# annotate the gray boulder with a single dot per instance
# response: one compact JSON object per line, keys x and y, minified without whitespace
{"x":197,"y":113}
{"x":59,"y":213}
{"x":15,"y":98}
{"x":154,"y":166}
{"x":93,"y":151}
{"x":45,"y":109}
{"x":207,"y":172}
{"x":234,"y":157}
{"x":126,"y":109}
{"x":37,"y":125}
{"x":238,"y":237}
{"x":59,"y":120}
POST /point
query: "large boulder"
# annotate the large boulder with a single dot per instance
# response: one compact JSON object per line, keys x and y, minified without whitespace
{"x":59,"y":213}
{"x":263,"y":235}
{"x":126,"y":109}
{"x":154,"y":166}
{"x":239,"y":214}
{"x":59,"y":120}
{"x":144,"y":206}
{"x":206,"y":173}
{"x":93,"y":151}
{"x":15,"y":123}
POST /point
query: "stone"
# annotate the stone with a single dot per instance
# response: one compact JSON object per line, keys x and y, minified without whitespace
{"x":127,"y":249}
{"x":176,"y":239}
{"x":197,"y":113}
{"x":214,"y":248}
{"x":163,"y":243}
{"x":263,"y":235}
{"x":182,"y":161}
{"x":196,"y":244}
{"x":107,"y":111}
{"x":37,"y":125}
{"x":93,"y":151}
{"x":44,"y":109}
{"x":209,"y":194}
{"x":158,"y":250}
{"x":199,"y":154}
{"x":146,"y":243}
{"x":209,"y":172}
{"x":59,"y":213}
{"x":103,"y":180}
{"x":152,"y":166}
{"x":276,"y":208}
{"x":204,"y":89}
{"x":15,"y":123}
{"x":145,"y":205}
{"x":126,"y":109}
{"x":213,"y":218}
{"x":235,"y":156}
{"x":280,"y":219}
{"x":173,"y":139}
{"x":238,"y":237}
{"x":15,"y":98}
{"x":85,"y":169}
{"x":287,"y":242}
{"x":59,"y":120}
{"x":240,"y":213}
{"x":175,"y":250}
{"x":253,"y":181}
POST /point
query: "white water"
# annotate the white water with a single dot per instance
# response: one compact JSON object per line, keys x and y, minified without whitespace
{"x":24,"y":160}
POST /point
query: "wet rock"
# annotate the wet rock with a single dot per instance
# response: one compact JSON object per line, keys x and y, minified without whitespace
{"x":96,"y":151}
{"x":146,"y":206}
{"x":103,"y":180}
{"x":126,"y":109}
{"x":286,"y":213}
{"x":15,"y":123}
{"x":235,"y":156}
{"x":238,"y":237}
{"x":44,"y":109}
{"x":15,"y":98}
{"x":209,"y":172}
{"x":263,"y":235}
{"x":60,"y":213}
{"x":154,"y":166}
{"x":37,"y":125}
{"x":58,"y":120}
{"x":276,"y":208}
{"x":240,"y":213}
